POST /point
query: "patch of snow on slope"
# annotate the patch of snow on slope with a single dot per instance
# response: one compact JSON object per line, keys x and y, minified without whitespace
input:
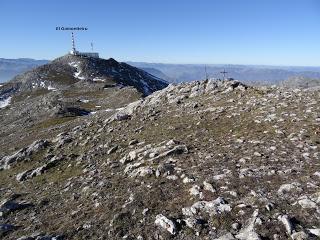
{"x":76,"y":74}
{"x":114,"y":109}
{"x":5,"y":102}
{"x":51,"y":88}
{"x":74,"y":64}
{"x":96,"y":79}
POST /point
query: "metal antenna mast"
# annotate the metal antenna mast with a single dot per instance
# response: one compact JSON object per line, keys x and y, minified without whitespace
{"x":91,"y":46}
{"x":73,"y":44}
{"x":205,"y":69}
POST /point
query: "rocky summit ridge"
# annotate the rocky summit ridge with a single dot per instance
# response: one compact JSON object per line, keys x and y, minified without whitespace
{"x":72,"y":70}
{"x":200,"y":160}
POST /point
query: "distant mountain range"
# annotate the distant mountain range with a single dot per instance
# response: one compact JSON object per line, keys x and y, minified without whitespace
{"x":254,"y":74}
{"x":12,"y":67}
{"x":245,"y":73}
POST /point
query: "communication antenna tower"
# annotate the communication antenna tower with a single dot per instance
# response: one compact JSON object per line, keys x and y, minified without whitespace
{"x":205,"y":69}
{"x":73,"y":43}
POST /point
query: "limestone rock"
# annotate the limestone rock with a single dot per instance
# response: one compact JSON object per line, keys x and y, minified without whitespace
{"x":287,"y":223}
{"x":7,"y":162}
{"x":214,"y":207}
{"x":299,"y":236}
{"x":166,"y":224}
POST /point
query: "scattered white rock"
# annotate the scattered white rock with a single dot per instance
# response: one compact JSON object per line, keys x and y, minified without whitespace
{"x":257,"y":154}
{"x":142,"y":172}
{"x":145,"y":211}
{"x":287,"y":223}
{"x":195,"y":190}
{"x":248,"y":232}
{"x":289,"y":187}
{"x":317,"y":174}
{"x":172,"y":177}
{"x":299,"y":236}
{"x":315,"y":231}
{"x":208,"y":187}
{"x":214,"y":207}
{"x":307,"y":203}
{"x":188,"y":180}
{"x":165,"y":223}
{"x":8,"y":161}
{"x":112,"y":149}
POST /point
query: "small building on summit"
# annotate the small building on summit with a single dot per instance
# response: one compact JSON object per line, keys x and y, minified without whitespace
{"x":73,"y":51}
{"x":89,"y":54}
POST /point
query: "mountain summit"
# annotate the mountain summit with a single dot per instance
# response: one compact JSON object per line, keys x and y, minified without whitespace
{"x":65,"y":71}
{"x":69,"y":87}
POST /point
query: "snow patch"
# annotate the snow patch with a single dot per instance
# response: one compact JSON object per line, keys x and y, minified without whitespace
{"x":5,"y":102}
{"x":51,"y":88}
{"x":74,"y":64}
{"x":113,"y":109}
{"x":78,"y":73}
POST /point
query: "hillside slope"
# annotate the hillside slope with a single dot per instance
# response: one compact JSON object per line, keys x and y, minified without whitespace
{"x":200,"y":160}
{"x":62,"y":72}
{"x":64,"y":90}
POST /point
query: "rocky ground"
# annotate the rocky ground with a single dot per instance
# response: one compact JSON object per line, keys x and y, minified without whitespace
{"x":201,"y":160}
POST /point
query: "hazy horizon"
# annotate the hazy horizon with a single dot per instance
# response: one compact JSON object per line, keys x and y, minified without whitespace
{"x":187,"y":63}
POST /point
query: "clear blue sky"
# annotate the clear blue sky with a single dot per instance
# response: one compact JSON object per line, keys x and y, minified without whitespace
{"x":272,"y":32}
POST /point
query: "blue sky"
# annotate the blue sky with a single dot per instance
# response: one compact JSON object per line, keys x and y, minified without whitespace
{"x":271,"y":32}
